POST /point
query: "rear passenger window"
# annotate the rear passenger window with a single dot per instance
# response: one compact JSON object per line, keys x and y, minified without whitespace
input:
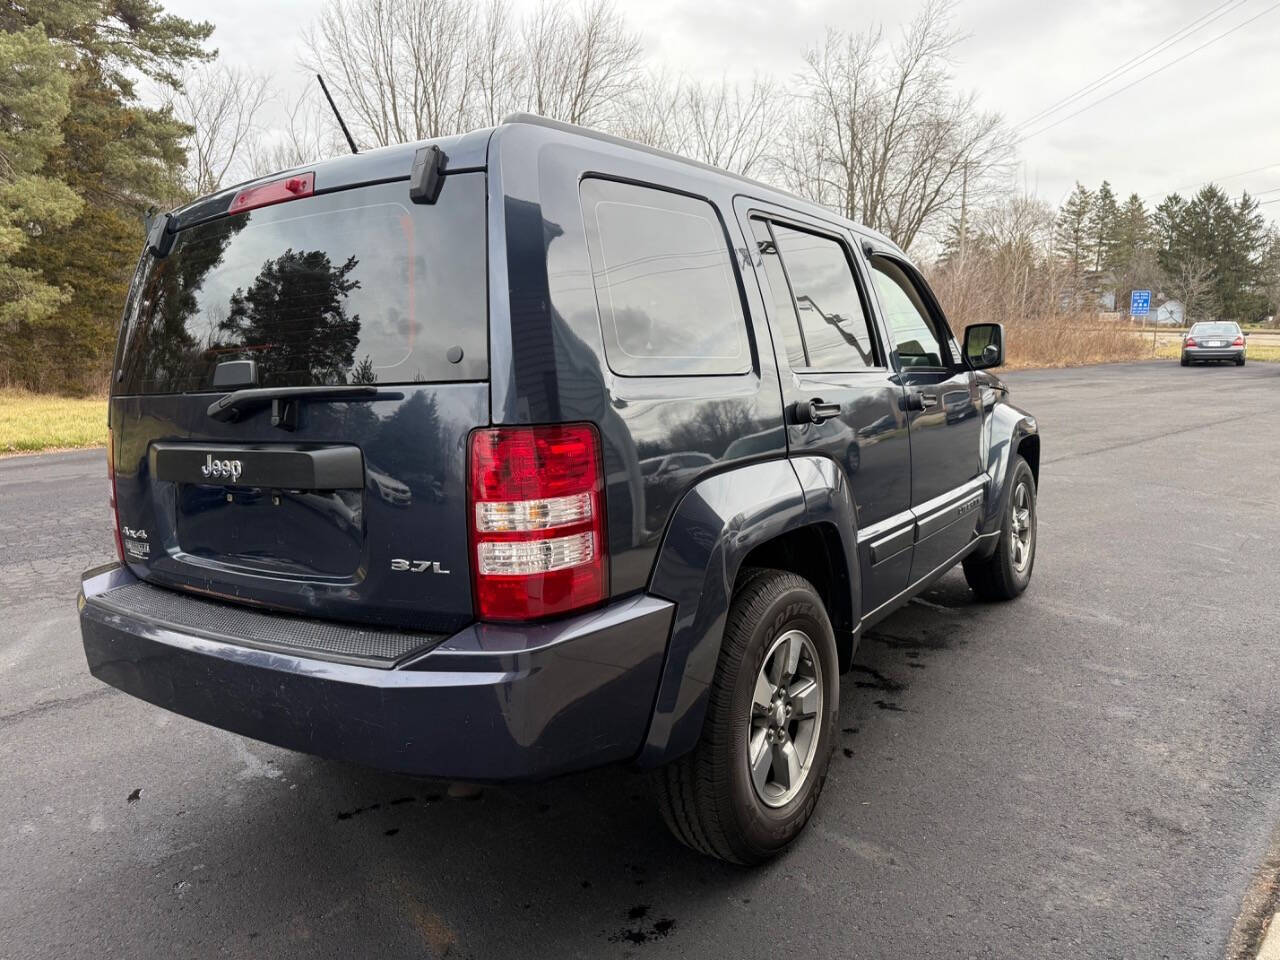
{"x":664,"y":281}
{"x":833,"y":320}
{"x":784,"y":307}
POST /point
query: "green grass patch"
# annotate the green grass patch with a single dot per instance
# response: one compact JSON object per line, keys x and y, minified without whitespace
{"x":30,"y":422}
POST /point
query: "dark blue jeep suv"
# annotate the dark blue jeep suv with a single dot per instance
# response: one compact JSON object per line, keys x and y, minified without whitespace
{"x":520,"y":452}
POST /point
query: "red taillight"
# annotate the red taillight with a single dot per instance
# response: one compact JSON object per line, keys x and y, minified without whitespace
{"x":277,"y":191}
{"x":1190,"y":342}
{"x":536,"y":515}
{"x":1238,"y":342}
{"x":115,"y":511}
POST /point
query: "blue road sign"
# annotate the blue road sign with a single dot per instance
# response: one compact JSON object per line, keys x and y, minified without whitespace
{"x":1139,"y":303}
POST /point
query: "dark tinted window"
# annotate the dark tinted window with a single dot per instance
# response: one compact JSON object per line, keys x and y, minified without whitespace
{"x":832,"y":318}
{"x":785,"y":319}
{"x":917,"y":338}
{"x":664,"y":280}
{"x":359,"y":286}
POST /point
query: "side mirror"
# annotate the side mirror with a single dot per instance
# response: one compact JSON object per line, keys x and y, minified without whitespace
{"x":984,"y":345}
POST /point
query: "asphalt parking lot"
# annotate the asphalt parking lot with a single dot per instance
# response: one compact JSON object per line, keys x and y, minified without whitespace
{"x":1088,"y":772}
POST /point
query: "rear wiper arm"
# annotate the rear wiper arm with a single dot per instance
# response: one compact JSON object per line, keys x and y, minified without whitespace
{"x":284,"y":400}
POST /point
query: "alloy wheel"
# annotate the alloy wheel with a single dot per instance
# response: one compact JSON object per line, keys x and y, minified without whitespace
{"x":783,"y":730}
{"x":1022,"y":527}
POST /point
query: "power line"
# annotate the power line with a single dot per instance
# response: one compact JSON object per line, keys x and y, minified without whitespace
{"x":1230,"y":176}
{"x":1146,"y":76}
{"x":1134,"y":61}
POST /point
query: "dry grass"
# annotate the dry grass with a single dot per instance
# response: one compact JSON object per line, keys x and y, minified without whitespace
{"x":30,"y":422}
{"x":1067,"y":340}
{"x":1260,"y":352}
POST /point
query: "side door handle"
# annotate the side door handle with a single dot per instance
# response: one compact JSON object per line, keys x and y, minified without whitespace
{"x":929,"y":400}
{"x":814,"y":411}
{"x":910,"y":402}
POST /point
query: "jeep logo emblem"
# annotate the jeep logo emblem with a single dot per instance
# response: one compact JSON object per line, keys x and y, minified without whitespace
{"x":221,"y":468}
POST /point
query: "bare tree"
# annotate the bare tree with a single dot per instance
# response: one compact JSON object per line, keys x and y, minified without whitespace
{"x":497,"y":68}
{"x":1193,"y":285}
{"x":399,"y":66}
{"x":734,"y":127}
{"x":654,"y":114}
{"x":892,"y":144}
{"x":580,"y":68}
{"x":222,"y":105}
{"x":307,"y":132}
{"x":413,"y":69}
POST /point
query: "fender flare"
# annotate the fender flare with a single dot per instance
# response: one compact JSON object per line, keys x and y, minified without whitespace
{"x":719,"y":521}
{"x":1006,"y":428}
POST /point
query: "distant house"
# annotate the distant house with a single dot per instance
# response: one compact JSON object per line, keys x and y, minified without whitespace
{"x":1171,"y":313}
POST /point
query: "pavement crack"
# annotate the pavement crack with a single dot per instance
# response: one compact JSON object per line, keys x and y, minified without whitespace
{"x":52,"y":706}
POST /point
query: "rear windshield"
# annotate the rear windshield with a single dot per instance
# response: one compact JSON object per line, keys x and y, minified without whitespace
{"x":1216,"y":329}
{"x":358,"y":286}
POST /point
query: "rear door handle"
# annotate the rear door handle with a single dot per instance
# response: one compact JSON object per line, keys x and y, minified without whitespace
{"x":928,"y":400}
{"x":814,"y":411}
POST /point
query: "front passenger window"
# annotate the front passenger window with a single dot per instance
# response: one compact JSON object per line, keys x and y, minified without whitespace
{"x":920,"y":344}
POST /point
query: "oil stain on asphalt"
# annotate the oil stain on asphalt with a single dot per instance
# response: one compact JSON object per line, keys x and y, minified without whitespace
{"x":644,"y":931}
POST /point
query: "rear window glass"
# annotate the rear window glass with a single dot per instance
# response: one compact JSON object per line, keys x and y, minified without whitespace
{"x":358,"y":286}
{"x":837,"y":335}
{"x":1216,"y":329}
{"x":665,"y":284}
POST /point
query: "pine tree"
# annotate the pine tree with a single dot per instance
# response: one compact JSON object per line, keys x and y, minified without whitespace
{"x":1103,"y":224}
{"x":1134,"y":264}
{"x":34,"y":101}
{"x":118,"y":156}
{"x":1133,"y":234}
{"x":1074,"y":243}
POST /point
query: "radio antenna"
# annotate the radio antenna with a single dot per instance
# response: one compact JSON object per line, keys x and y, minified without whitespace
{"x":345,"y":132}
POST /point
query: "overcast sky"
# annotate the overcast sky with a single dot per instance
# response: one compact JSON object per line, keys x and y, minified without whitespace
{"x":1214,"y":114}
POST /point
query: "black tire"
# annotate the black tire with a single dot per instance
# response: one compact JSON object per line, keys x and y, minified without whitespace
{"x":1185,"y":361}
{"x":1240,"y":362}
{"x":999,"y":576}
{"x":708,"y":797}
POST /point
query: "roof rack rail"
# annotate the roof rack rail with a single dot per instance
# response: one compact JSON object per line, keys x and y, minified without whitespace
{"x":534,"y":119}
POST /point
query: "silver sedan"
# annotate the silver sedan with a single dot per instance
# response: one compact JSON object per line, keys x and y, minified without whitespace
{"x":1214,"y":341}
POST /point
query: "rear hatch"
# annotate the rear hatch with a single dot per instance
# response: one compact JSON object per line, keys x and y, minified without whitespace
{"x":295,"y":387}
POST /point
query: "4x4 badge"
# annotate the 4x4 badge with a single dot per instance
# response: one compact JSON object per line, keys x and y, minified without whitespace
{"x":221,"y":468}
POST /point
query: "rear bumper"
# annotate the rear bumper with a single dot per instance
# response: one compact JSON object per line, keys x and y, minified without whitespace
{"x":489,"y":703}
{"x":1214,"y":353}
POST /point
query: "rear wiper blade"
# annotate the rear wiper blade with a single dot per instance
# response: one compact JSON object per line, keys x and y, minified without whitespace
{"x":232,"y":405}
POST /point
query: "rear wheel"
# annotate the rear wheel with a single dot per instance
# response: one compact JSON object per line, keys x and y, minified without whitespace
{"x":749,"y":786}
{"x":1006,"y":573}
{"x":1185,"y":361}
{"x":1240,"y":360}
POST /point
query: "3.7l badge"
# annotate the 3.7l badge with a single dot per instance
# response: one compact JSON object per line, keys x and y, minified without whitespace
{"x":417,"y":566}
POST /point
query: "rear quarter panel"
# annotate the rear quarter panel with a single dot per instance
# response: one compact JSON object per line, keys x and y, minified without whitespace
{"x":547,"y":356}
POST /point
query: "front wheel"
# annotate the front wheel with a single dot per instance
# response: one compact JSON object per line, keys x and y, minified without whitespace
{"x":1006,"y":573}
{"x":749,"y":786}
